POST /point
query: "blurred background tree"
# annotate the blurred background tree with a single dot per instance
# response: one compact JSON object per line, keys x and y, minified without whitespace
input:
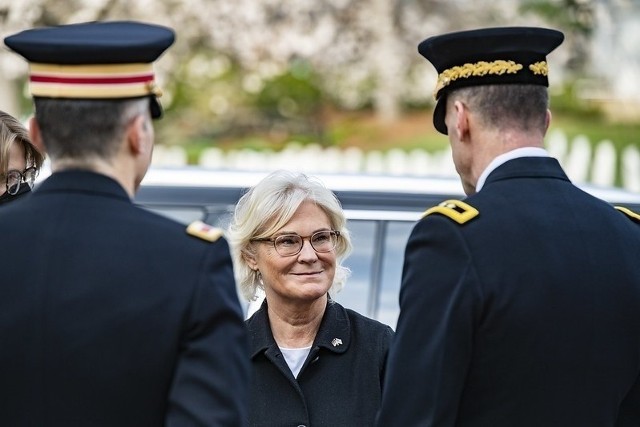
{"x":335,"y":72}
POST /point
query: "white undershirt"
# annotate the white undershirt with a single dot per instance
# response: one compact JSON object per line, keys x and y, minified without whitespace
{"x":295,"y":358}
{"x":503,"y":158}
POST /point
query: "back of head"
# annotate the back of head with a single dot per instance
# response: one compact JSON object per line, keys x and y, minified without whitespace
{"x":268,"y":206}
{"x":85,"y":129}
{"x":519,"y":107}
{"x":488,"y":57}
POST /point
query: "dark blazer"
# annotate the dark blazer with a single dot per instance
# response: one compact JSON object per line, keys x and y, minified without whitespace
{"x":527,"y":314}
{"x":113,"y":316}
{"x":340,"y":383}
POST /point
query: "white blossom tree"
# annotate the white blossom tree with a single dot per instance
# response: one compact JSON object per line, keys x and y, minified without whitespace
{"x":362,"y":52}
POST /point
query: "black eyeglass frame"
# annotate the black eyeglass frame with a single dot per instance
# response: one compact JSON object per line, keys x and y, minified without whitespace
{"x":27,"y":176}
{"x":273,"y":240}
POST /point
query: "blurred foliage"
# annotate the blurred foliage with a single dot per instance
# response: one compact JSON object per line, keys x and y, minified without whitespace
{"x":575,"y":116}
{"x":572,"y":15}
{"x":414,"y":129}
{"x":566,"y":101}
{"x":577,"y":19}
{"x":248,"y":74}
{"x":294,"y":94}
{"x":229,"y":104}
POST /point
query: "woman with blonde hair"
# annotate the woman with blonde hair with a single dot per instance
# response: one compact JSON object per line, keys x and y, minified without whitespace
{"x":315,"y":363}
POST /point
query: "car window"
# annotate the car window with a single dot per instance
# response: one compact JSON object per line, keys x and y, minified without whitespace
{"x":376,"y":265}
{"x":356,"y":293}
{"x":396,"y":236}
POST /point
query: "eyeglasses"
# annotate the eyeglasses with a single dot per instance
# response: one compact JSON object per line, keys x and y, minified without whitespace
{"x":291,"y":244}
{"x":15,"y":178}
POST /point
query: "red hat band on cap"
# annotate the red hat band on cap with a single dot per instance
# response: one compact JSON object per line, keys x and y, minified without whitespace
{"x":94,"y":60}
{"x":99,"y":81}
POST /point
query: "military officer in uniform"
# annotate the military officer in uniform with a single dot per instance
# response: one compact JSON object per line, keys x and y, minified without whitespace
{"x":110,"y":315}
{"x":519,"y":305}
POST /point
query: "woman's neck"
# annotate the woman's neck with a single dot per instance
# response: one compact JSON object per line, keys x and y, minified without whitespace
{"x":295,"y":326}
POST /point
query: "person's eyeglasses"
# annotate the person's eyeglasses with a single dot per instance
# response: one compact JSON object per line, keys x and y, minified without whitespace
{"x":14,"y":179}
{"x":291,"y":244}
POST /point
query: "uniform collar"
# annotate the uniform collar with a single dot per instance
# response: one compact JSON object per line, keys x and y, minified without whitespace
{"x":334,"y":332}
{"x":503,"y":158}
{"x":82,"y":181}
{"x":528,"y":167}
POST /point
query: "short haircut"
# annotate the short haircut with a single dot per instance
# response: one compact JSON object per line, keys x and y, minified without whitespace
{"x":12,"y":131}
{"x":84,"y":129}
{"x":509,"y":106}
{"x":267,"y":207}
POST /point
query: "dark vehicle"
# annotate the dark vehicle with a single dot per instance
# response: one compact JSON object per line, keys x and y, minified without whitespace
{"x":381,"y":210}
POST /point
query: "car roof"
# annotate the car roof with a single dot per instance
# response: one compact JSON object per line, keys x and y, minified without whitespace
{"x":373,"y":184}
{"x":362,"y":196}
{"x":202,"y":177}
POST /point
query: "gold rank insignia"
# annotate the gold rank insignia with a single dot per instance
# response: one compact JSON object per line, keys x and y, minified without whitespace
{"x":628,"y":212}
{"x":457,"y":210}
{"x":204,"y":231}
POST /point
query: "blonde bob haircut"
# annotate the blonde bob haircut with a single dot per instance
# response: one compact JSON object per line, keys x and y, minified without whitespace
{"x":266,"y":208}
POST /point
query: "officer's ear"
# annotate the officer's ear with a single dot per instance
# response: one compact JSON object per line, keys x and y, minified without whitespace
{"x":139,"y":137}
{"x":547,"y":121}
{"x":35,"y":135}
{"x":461,"y":117}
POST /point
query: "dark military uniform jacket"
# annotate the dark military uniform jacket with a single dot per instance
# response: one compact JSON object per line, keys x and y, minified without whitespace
{"x":114,"y":316}
{"x":340,"y":383}
{"x":519,"y":307}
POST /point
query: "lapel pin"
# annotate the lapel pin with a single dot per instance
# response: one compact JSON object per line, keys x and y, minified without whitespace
{"x":336,"y":342}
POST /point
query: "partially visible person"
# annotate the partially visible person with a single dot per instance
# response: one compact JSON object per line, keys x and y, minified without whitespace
{"x":519,"y":305}
{"x":110,"y":315}
{"x":20,"y":160}
{"x":315,"y":363}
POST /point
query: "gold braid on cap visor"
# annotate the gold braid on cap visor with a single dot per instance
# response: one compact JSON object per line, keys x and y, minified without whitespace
{"x":484,"y":68}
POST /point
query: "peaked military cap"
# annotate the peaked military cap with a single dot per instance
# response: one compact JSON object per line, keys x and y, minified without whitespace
{"x":501,"y":55}
{"x":94,"y":60}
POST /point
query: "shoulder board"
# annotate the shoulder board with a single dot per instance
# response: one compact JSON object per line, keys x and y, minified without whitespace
{"x":457,"y":210}
{"x":628,"y":212}
{"x":204,"y":231}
